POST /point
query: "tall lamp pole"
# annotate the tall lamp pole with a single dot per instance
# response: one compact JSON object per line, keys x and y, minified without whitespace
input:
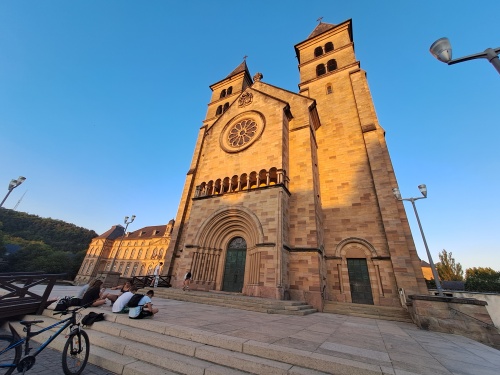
{"x":126,"y":222}
{"x":423,"y":190}
{"x":12,"y":185}
{"x":441,"y":50}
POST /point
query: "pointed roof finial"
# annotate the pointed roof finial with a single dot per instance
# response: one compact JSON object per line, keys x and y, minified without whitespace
{"x":245,"y":57}
{"x":319,"y":19}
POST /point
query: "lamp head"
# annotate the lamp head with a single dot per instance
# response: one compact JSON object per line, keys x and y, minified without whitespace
{"x":133,"y":218}
{"x":441,"y":50}
{"x":396,"y":193}
{"x":12,"y":184}
{"x":125,"y":220}
{"x":423,"y":189}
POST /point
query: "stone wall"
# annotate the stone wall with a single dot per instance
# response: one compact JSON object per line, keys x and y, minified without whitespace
{"x":464,"y":316}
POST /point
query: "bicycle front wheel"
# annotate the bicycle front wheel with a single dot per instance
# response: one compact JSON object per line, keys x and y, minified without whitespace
{"x":9,"y":359}
{"x":76,"y":353}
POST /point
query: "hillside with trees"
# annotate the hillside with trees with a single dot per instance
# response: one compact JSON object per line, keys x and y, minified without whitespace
{"x":41,"y":244}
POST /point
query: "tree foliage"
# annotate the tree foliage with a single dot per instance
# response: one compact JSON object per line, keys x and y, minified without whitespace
{"x":481,"y":279}
{"x":47,"y":245}
{"x":448,"y":269}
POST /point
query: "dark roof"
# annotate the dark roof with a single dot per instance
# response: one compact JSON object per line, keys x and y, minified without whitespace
{"x":151,"y":232}
{"x":240,"y":68}
{"x":112,"y":234}
{"x":423,"y":263}
{"x":321,"y":28}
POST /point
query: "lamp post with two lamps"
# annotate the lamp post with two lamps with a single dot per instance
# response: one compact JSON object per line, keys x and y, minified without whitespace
{"x":423,"y":190}
{"x":441,"y":50}
{"x":12,"y":185}
{"x":126,"y":222}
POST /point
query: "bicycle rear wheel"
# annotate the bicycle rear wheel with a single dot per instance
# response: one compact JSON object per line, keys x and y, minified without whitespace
{"x":10,"y":357}
{"x":76,"y":353}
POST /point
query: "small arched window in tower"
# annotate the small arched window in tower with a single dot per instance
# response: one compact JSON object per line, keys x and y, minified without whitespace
{"x":328,"y":47}
{"x":223,"y":94}
{"x":253,"y":180}
{"x":226,"y":106}
{"x":263,"y":178}
{"x":332,"y":65}
{"x":229,"y":90}
{"x":225,"y":185}
{"x":219,"y":111}
{"x":234,"y":183}
{"x":318,"y":51}
{"x":243,"y":182}
{"x":210,"y":187}
{"x":217,"y":186}
{"x":320,"y":70}
{"x":329,"y":89}
{"x":273,"y":176}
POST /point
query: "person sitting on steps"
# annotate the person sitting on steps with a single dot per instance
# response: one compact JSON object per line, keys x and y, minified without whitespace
{"x":120,"y":305}
{"x":144,"y":309}
{"x":112,"y":296}
{"x":93,"y":296}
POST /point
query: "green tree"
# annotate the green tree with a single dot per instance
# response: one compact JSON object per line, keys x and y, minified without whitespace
{"x":482,"y":279}
{"x":448,"y":269}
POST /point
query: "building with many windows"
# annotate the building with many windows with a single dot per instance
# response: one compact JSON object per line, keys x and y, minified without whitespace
{"x":131,"y":254}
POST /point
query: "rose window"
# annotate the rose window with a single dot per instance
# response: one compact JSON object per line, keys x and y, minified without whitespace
{"x":242,"y":132}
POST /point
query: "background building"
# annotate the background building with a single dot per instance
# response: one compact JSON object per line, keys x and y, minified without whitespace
{"x":137,"y":253}
{"x":289,"y":195}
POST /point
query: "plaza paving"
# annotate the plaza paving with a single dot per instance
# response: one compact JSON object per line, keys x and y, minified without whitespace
{"x":392,"y":347}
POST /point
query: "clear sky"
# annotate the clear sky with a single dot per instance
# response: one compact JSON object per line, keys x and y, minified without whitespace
{"x":101,"y":102}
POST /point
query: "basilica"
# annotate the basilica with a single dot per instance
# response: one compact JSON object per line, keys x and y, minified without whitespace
{"x":288,"y":195}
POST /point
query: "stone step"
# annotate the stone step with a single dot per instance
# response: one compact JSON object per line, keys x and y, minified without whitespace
{"x":368,"y":311}
{"x":187,"y":350}
{"x":237,"y":301}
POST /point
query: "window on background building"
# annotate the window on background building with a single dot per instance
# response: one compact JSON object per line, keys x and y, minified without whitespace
{"x":132,"y":253}
{"x":108,"y":266}
{"x":141,"y":273}
{"x":121,"y":267}
{"x":127,"y":269}
{"x":134,"y":269}
{"x":150,"y":269}
{"x":140,"y":254}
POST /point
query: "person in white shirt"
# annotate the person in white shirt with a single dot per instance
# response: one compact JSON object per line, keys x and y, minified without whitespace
{"x":120,"y":305}
{"x":145,"y":307}
{"x":156,"y":275}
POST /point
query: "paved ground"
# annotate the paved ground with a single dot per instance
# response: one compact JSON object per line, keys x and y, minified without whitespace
{"x":399,"y":348}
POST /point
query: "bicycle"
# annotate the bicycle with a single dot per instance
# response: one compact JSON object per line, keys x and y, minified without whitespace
{"x":74,"y":356}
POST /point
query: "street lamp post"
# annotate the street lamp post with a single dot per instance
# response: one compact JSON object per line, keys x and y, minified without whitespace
{"x":126,"y":222}
{"x":441,"y":50}
{"x":423,"y":190}
{"x":12,"y":185}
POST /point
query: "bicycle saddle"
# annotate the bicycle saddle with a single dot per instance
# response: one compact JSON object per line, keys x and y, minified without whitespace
{"x":30,"y":322}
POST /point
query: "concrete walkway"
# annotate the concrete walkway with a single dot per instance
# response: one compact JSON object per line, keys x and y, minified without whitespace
{"x":396,"y":348}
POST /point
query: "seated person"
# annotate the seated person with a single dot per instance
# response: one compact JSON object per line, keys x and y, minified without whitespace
{"x":145,"y":307}
{"x":92,"y":296}
{"x":112,"y":296}
{"x":120,"y":305}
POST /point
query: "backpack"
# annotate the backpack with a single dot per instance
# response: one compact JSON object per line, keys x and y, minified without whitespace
{"x":134,"y":301}
{"x":63,"y":304}
{"x":92,"y":317}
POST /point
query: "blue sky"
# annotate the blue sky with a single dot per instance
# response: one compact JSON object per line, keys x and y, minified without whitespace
{"x":101,"y":102}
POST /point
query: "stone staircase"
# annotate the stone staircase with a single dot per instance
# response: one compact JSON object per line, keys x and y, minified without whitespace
{"x":236,"y":301}
{"x":398,"y":314}
{"x":148,"y":347}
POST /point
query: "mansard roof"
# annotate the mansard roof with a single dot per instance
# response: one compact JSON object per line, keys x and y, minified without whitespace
{"x":321,"y":28}
{"x":113,"y":233}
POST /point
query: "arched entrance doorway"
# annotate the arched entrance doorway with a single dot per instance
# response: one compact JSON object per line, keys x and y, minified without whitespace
{"x":234,"y":269}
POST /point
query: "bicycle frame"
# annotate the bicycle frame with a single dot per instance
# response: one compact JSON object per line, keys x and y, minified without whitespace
{"x":18,"y":341}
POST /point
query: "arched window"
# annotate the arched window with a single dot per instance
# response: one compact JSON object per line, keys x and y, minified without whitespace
{"x":217,"y":187}
{"x":243,"y":182}
{"x":160,"y":255}
{"x":328,"y":47}
{"x":332,"y":65}
{"x":132,"y":254}
{"x":225,"y":185}
{"x":127,"y":268}
{"x":121,"y":267}
{"x":329,"y":89}
{"x":134,"y":269}
{"x":234,"y":183}
{"x":318,"y":51}
{"x":139,"y":254}
{"x":273,"y":176}
{"x":142,"y":270}
{"x":219,"y":111}
{"x":210,"y":187}
{"x":226,"y":106}
{"x":253,"y":180}
{"x":150,"y":269}
{"x":320,"y":70}
{"x":223,"y":93}
{"x":263,"y":178}
{"x":229,"y":90}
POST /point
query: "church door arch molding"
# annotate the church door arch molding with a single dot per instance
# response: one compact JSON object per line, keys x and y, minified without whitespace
{"x":215,"y":247}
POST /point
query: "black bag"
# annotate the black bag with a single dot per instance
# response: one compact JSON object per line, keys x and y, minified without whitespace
{"x":92,"y":317}
{"x":63,"y":304}
{"x":134,"y":301}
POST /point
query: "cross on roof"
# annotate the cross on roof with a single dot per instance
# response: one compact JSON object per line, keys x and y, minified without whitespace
{"x":319,"y":19}
{"x":245,"y":57}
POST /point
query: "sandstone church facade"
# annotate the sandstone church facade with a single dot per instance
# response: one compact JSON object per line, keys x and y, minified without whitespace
{"x":289,"y":195}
